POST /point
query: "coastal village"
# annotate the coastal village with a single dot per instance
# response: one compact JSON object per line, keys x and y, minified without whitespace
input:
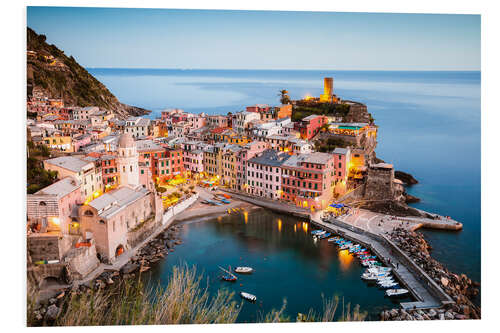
{"x":115,"y":186}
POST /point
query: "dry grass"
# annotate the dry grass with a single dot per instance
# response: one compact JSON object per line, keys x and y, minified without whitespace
{"x":182,"y":301}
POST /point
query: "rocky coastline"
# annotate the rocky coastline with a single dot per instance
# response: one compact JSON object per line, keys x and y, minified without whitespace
{"x":459,"y":287}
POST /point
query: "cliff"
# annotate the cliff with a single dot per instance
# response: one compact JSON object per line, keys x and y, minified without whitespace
{"x":60,"y":76}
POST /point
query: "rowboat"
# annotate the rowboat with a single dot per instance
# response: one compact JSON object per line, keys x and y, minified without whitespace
{"x":396,"y":292}
{"x":248,"y":297}
{"x":243,"y":270}
{"x":318,"y":232}
{"x":230,"y":277}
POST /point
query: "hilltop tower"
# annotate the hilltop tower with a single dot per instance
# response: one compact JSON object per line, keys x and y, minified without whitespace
{"x":327,"y":95}
{"x":128,"y":161}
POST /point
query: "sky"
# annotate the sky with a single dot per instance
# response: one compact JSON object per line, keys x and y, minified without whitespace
{"x":214,"y":39}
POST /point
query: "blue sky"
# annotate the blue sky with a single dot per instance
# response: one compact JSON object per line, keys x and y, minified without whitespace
{"x":164,"y":38}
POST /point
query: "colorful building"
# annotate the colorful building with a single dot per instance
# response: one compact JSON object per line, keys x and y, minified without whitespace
{"x":264,"y":174}
{"x":309,"y":126}
{"x":307,"y":180}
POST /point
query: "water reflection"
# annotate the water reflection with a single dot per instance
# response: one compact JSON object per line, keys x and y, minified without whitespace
{"x":345,"y":259}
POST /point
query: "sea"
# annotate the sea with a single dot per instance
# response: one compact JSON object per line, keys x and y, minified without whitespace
{"x":429,"y":126}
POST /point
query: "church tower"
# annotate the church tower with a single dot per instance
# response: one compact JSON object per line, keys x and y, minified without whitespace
{"x":128,"y":161}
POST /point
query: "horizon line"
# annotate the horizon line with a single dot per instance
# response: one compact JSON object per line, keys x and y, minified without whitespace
{"x":292,"y":69}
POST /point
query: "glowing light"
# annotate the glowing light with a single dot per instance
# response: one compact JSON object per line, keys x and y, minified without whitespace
{"x":345,"y":259}
{"x":279,"y":225}
{"x":307,"y":97}
{"x":56,"y":220}
{"x":305,"y":226}
{"x":245,"y":214}
{"x":294,"y":228}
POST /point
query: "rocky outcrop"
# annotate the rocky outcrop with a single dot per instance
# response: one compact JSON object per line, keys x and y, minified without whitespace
{"x":459,"y":287}
{"x":406,"y":178}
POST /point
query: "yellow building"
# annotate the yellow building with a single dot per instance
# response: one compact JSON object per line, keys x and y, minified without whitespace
{"x":229,"y":166}
{"x":58,"y":142}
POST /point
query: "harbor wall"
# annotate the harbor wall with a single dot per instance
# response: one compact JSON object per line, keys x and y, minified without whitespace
{"x":169,"y":214}
{"x":403,"y":257}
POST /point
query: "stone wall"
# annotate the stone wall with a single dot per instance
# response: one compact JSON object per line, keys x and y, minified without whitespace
{"x":358,"y":113}
{"x":379,"y":182}
{"x":81,"y":261}
{"x":47,"y":246}
{"x":178,"y":208}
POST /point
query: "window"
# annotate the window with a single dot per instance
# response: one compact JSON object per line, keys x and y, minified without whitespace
{"x":142,"y":171}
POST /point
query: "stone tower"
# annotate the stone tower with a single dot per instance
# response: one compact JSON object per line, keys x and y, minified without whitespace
{"x":128,"y":161}
{"x":327,"y":95}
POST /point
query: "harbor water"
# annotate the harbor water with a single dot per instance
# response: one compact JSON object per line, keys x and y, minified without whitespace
{"x":288,"y":264}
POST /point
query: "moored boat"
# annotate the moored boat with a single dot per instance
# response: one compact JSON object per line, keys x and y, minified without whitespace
{"x":396,"y":292}
{"x":243,"y":270}
{"x":248,"y":297}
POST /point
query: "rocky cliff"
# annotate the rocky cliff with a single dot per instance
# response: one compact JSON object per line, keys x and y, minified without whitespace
{"x":60,"y":76}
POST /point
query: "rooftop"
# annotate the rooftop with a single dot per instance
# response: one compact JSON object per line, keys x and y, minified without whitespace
{"x":112,"y":202}
{"x":60,"y":188}
{"x":69,"y":162}
{"x":270,"y":157}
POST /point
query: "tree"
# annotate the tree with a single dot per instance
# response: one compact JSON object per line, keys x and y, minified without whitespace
{"x":284,"y":98}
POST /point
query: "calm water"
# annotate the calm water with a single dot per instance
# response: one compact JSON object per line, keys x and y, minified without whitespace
{"x":287,"y":262}
{"x":429,"y":126}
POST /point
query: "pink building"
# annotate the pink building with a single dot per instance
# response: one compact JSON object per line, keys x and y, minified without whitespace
{"x":308,"y":180}
{"x":250,"y":150}
{"x":264,"y":174}
{"x":197,"y":121}
{"x":193,"y":160}
{"x":258,"y":108}
{"x":81,"y":141}
{"x":52,"y":208}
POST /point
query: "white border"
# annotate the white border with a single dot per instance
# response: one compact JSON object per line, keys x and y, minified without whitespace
{"x":13,"y":138}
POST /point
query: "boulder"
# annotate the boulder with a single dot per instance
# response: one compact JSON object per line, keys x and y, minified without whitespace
{"x":448,"y":315}
{"x":129,"y":268}
{"x":444,"y":281}
{"x":52,"y":312}
{"x":441,"y":316}
{"x":393,"y":313}
{"x":432,"y":313}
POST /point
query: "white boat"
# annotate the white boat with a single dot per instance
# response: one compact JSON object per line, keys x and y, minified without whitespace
{"x":244,"y":270}
{"x":378,"y":269}
{"x":389,"y":285}
{"x":373,"y":277}
{"x":318,"y":232}
{"x":248,"y":297}
{"x":385,"y":281}
{"x":396,"y":292}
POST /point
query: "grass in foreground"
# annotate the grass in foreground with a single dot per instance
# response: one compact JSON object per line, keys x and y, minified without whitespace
{"x":182,"y":301}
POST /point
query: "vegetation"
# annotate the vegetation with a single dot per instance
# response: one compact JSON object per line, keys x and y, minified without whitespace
{"x":329,"y":144}
{"x":182,"y":301}
{"x":37,"y":176}
{"x":284,"y":98}
{"x":68,"y":80}
{"x":303,"y":108}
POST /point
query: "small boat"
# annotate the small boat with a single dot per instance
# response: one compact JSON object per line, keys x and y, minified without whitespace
{"x":322,"y":236}
{"x":229,"y":211}
{"x":396,"y":292}
{"x":331,"y":240}
{"x":318,"y":232}
{"x":244,"y":270}
{"x":389,"y":285}
{"x":230,"y":277}
{"x":225,"y":201}
{"x":379,"y":269}
{"x":248,"y":297}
